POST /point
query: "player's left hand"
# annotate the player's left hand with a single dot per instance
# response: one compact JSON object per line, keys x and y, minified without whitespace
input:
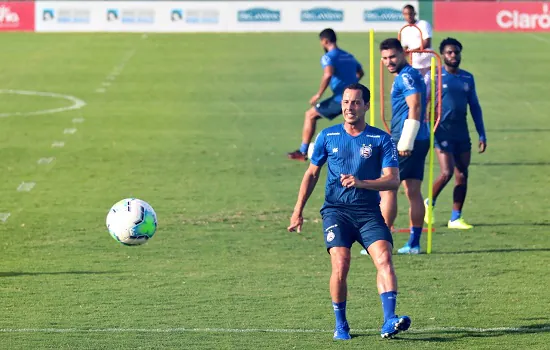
{"x":349,"y":181}
{"x":404,"y":153}
{"x":482,"y":146}
{"x":313,"y":100}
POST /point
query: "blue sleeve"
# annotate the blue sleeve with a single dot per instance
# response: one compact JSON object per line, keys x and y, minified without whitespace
{"x":320,"y":155}
{"x":389,"y":153}
{"x":326,"y":61}
{"x":410,"y":84}
{"x":475,"y":111}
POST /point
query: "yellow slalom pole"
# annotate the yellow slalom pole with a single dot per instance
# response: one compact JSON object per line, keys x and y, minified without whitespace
{"x":431,"y":165}
{"x":371,"y":70}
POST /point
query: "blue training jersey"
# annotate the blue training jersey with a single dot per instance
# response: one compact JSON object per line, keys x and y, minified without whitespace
{"x":408,"y":82}
{"x":458,"y":91}
{"x":345,"y":70}
{"x":363,"y":156}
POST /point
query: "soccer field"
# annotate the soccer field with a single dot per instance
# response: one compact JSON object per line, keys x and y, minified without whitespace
{"x":199,"y":125}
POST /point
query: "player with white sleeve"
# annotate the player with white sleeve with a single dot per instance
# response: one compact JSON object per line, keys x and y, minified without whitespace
{"x":413,"y":39}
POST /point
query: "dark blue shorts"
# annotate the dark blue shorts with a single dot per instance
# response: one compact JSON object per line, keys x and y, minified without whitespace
{"x":412,"y":167}
{"x":329,"y":108}
{"x":453,"y":146}
{"x":343,"y":228}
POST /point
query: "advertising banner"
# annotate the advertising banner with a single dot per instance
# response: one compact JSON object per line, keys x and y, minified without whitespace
{"x":218,"y":16}
{"x":17,"y":16}
{"x":527,"y":16}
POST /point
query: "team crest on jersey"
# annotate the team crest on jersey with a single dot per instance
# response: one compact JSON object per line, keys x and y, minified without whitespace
{"x":466,"y":87}
{"x":366,"y":151}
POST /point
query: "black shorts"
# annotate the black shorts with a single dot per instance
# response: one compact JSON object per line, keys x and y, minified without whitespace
{"x":452,"y":146}
{"x":343,"y":228}
{"x":412,"y":167}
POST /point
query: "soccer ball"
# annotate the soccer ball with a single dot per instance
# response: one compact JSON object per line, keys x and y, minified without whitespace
{"x":132,"y":221}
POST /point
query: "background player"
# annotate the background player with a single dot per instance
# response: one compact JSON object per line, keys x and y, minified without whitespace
{"x":412,"y":39}
{"x":452,"y":138}
{"x":411,"y":133}
{"x":340,"y":69}
{"x":356,"y":154}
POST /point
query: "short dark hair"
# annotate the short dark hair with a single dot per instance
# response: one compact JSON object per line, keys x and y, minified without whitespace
{"x":391,"y":43}
{"x":328,"y":34}
{"x":365,"y":92}
{"x":449,"y":41}
{"x":409,"y":7}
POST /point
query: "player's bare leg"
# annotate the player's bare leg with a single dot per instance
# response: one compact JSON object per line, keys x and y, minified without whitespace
{"x":388,"y":206}
{"x":340,"y":258}
{"x":446,"y":168}
{"x":416,"y":208}
{"x":416,"y":215}
{"x":310,"y":123}
{"x":381,"y":254}
{"x":462,"y":162}
{"x":386,"y":280}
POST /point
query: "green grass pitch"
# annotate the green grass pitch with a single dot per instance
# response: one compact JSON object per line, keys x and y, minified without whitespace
{"x":198,"y":126}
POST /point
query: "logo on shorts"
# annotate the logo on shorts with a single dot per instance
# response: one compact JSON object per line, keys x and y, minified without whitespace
{"x":330,"y":236}
{"x":366,"y":151}
{"x":444,"y":143}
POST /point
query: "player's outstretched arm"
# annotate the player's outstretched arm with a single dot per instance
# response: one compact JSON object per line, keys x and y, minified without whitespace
{"x":309,"y":181}
{"x":387,"y":182}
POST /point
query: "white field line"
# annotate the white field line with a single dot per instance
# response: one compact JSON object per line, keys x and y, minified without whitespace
{"x":111,"y":77}
{"x":268,"y":330}
{"x":76,"y":102}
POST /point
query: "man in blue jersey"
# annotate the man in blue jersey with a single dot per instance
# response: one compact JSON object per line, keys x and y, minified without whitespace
{"x":357,"y":154}
{"x":340,"y":69}
{"x":410,"y":132}
{"x":452,"y":138}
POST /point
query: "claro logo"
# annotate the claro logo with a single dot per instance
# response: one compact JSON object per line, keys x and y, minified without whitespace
{"x":518,"y":20}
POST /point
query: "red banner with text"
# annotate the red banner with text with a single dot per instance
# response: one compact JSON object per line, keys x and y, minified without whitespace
{"x":17,"y":16}
{"x":527,"y":16}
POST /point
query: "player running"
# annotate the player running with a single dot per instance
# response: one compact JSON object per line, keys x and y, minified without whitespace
{"x":411,"y":133}
{"x":356,"y":154}
{"x":452,"y":138}
{"x":340,"y":69}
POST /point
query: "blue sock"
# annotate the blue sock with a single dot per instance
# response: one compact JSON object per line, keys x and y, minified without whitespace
{"x":456,"y":214}
{"x":340,"y":313}
{"x":304,"y":147}
{"x":389,"y":299}
{"x":414,"y":238}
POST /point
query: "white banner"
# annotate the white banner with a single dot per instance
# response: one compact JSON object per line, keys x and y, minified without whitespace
{"x":218,"y":16}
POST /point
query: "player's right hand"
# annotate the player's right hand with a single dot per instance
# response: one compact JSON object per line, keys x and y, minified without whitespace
{"x":296,"y":222}
{"x":405,"y":153}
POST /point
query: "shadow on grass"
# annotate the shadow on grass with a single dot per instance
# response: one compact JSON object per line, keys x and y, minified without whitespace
{"x":451,"y":334}
{"x":15,"y":274}
{"x":498,"y":250}
{"x":510,"y":163}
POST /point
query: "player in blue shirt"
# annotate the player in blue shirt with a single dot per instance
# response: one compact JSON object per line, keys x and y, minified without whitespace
{"x":452,"y":138}
{"x":356,"y":154}
{"x":340,"y":69}
{"x":411,"y":133}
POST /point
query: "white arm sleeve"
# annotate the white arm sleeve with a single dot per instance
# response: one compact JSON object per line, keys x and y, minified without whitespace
{"x":408,"y":135}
